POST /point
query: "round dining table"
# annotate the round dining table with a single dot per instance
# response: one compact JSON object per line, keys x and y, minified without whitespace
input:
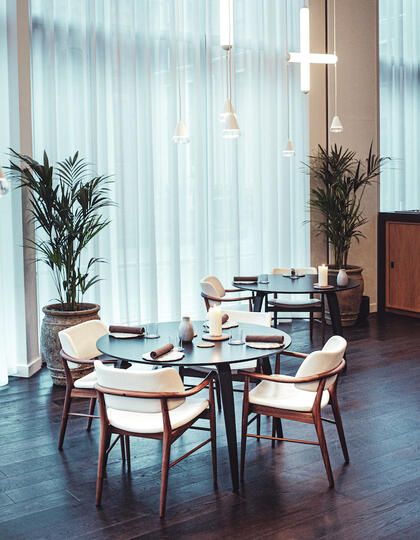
{"x":220,"y":357}
{"x":280,"y":284}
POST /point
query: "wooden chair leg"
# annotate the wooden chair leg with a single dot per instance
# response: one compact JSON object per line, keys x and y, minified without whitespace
{"x":323,"y":446}
{"x":311,"y":325}
{"x":339,"y":424}
{"x":122,"y":448}
{"x":127,"y":450}
{"x":273,"y":432}
{"x":275,"y":318}
{"x":91,"y":411}
{"x":250,"y":304}
{"x":244,"y":427}
{"x":166,"y":452}
{"x":66,"y":409}
{"x":213,"y":442}
{"x":107,"y":445}
{"x":104,"y":437}
{"x":258,"y":426}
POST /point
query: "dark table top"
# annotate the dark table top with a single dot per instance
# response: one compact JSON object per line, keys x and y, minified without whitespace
{"x":133,"y":349}
{"x":303,"y":285}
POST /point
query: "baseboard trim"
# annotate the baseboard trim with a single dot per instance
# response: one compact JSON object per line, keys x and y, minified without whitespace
{"x":27,"y":370}
{"x":373,"y":307}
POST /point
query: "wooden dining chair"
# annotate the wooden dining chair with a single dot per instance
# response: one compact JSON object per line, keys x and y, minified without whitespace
{"x":152,"y":405}
{"x":214,"y":293}
{"x":299,"y":398}
{"x":78,"y":347}
{"x":309,"y":305}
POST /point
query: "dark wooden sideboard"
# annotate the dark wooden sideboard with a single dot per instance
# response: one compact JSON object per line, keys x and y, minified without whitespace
{"x":399,"y":262}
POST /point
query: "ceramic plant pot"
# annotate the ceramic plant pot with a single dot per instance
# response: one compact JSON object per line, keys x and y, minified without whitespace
{"x":349,"y":301}
{"x":53,"y":322}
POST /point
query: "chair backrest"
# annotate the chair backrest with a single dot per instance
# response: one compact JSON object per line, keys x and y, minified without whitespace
{"x":212,"y":286}
{"x":311,"y":270}
{"x":321,"y":361}
{"x":79,"y":341}
{"x":250,"y":317}
{"x":158,"y":380}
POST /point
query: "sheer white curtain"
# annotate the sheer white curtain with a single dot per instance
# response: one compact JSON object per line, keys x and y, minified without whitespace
{"x":104,"y":83}
{"x":12,"y":302}
{"x":399,"y":73}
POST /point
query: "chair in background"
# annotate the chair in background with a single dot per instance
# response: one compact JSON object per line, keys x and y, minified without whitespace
{"x":79,"y":348}
{"x":214,"y":293}
{"x":151,"y":405}
{"x":308,"y":305}
{"x":299,"y":398}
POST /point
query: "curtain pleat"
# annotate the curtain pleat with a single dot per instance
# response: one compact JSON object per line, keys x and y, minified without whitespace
{"x":105,"y":83}
{"x":399,"y":73}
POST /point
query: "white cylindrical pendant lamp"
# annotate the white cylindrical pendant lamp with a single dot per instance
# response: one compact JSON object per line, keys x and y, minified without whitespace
{"x":231,"y":129}
{"x":289,"y":151}
{"x":227,"y":109}
{"x":336,"y":125}
{"x":181,"y":134}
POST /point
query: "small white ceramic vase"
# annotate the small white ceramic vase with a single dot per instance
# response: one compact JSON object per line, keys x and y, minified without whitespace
{"x":342,"y":278}
{"x":186,"y":330}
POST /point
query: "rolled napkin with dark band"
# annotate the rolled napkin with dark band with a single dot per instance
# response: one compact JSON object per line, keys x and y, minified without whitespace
{"x":225,"y":318}
{"x":126,"y":329}
{"x":245,"y":278}
{"x":161,"y":351}
{"x":265,"y":339}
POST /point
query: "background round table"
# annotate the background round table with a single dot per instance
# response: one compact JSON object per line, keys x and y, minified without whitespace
{"x":220,"y":356}
{"x":304,"y":285}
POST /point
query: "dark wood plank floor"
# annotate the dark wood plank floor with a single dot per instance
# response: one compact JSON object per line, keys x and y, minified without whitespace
{"x":49,"y":494}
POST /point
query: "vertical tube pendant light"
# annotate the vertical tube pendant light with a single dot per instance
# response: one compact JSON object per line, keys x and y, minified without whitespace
{"x":4,"y":185}
{"x":231,"y":128}
{"x":181,"y":132}
{"x":289,"y":151}
{"x":336,"y":125}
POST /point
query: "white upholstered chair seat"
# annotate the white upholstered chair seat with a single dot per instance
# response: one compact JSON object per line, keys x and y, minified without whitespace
{"x":143,"y":422}
{"x":88,"y":381}
{"x":297,"y":304}
{"x":285,"y":396}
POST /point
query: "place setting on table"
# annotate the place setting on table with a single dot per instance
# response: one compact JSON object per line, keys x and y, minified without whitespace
{"x":299,"y":283}
{"x":209,"y":342}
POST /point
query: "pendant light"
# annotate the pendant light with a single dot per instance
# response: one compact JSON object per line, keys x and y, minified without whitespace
{"x":336,"y":125}
{"x":231,"y":128}
{"x":4,"y":184}
{"x":181,"y":132}
{"x":289,"y":151}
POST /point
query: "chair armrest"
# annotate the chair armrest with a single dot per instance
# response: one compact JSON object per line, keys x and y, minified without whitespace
{"x":296,"y":354}
{"x":235,"y":299}
{"x":295,"y":380}
{"x":86,"y":361}
{"x":155,"y":395}
{"x":215,"y":298}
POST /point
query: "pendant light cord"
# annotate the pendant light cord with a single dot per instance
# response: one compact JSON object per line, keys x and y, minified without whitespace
{"x":335,"y":66}
{"x":230,"y":51}
{"x":179,"y":58}
{"x":287,"y":76}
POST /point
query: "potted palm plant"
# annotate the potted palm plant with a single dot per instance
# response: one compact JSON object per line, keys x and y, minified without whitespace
{"x":342,"y":179}
{"x":66,"y":203}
